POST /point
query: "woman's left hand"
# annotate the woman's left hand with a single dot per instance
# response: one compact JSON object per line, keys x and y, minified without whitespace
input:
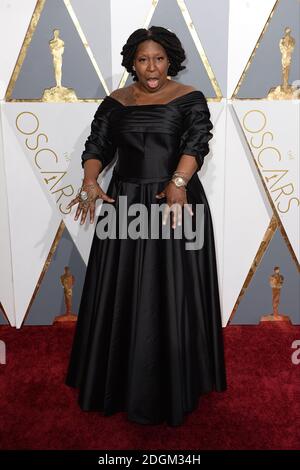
{"x":176,"y":197}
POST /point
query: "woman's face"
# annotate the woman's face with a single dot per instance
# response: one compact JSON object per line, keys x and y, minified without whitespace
{"x":151,"y":65}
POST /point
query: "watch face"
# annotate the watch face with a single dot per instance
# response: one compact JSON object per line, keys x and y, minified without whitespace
{"x":179,"y":181}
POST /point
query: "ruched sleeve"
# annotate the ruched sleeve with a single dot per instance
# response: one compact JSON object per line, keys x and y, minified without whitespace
{"x":100,"y":143}
{"x":196,"y":129}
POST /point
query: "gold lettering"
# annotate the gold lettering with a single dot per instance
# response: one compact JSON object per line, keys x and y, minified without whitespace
{"x":68,"y":212}
{"x":37,"y":140}
{"x":19,"y":128}
{"x":289,"y":205}
{"x":28,"y":123}
{"x":258,"y":146}
{"x":55,"y":174}
{"x":63,"y":193}
{"x":44,"y":150}
{"x":268,"y":148}
{"x":260,"y":128}
{"x":254,"y":121}
{"x":268,"y":178}
{"x":281,"y":189}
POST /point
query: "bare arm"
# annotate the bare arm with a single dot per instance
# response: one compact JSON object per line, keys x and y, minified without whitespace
{"x":187,"y":165}
{"x":92,"y":169}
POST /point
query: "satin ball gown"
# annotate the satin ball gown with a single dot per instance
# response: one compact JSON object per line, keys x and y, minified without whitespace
{"x":148,"y":338}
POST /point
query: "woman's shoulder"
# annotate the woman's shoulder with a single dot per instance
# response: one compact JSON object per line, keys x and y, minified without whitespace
{"x":119,"y":94}
{"x":124,"y":95}
{"x":107,"y":104}
{"x":192,"y":101}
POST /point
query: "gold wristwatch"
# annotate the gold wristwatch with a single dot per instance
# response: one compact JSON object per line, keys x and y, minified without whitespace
{"x":178,"y":180}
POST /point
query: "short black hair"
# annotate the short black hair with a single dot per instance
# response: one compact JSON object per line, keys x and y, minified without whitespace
{"x":167,"y":39}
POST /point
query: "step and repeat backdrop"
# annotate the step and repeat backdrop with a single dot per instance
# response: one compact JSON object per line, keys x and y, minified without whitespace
{"x":60,"y":58}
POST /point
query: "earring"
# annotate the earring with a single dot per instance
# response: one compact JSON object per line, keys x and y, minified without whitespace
{"x":133,"y":67}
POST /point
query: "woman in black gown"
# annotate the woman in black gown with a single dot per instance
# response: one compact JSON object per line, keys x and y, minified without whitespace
{"x":148,"y":338}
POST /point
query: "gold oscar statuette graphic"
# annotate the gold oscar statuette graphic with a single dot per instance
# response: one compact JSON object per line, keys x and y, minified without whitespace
{"x":67,"y":281}
{"x":285,"y":91}
{"x":58,"y":92}
{"x":276,"y":282}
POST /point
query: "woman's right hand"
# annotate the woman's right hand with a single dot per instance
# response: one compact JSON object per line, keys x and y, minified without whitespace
{"x":94,"y":192}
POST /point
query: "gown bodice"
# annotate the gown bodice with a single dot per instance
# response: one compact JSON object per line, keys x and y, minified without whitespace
{"x":149,"y":139}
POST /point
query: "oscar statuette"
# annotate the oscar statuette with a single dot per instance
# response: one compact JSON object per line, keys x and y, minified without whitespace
{"x":58,"y":92}
{"x":276,"y":283}
{"x":285,"y":91}
{"x":67,"y":281}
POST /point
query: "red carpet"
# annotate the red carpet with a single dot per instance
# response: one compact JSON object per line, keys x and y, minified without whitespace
{"x":260,"y":410}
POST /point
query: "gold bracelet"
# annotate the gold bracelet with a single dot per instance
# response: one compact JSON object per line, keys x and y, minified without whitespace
{"x":179,"y":181}
{"x":183,"y":175}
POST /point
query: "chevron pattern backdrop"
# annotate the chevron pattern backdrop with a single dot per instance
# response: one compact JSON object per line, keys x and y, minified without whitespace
{"x":251,"y":175}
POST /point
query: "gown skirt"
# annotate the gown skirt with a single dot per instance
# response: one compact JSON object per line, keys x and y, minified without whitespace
{"x":148,"y":338}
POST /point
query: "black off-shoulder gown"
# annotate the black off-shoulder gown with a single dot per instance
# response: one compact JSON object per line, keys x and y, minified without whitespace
{"x":148,"y":338}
